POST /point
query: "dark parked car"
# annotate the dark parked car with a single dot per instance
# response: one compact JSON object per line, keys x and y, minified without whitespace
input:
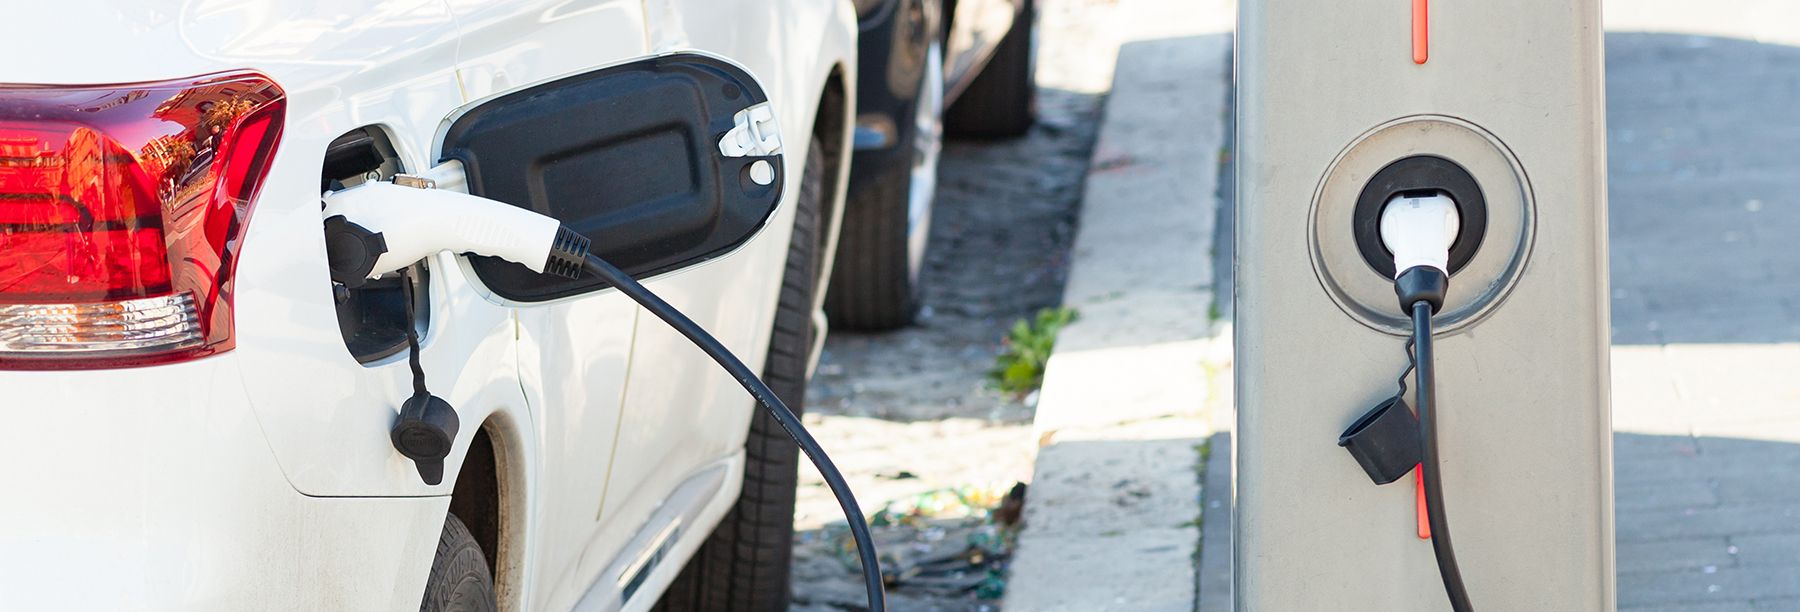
{"x":926,"y":67}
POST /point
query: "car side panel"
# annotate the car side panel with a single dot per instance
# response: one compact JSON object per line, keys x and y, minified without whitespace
{"x":171,"y":501}
{"x":575,"y":353}
{"x":682,"y":412}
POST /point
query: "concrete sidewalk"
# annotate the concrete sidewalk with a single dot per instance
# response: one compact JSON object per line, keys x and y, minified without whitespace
{"x":1113,"y":517}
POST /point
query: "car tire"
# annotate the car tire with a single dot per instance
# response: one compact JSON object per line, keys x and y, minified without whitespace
{"x":745,"y":564}
{"x":1002,"y":100}
{"x":876,"y":284}
{"x":460,"y":578}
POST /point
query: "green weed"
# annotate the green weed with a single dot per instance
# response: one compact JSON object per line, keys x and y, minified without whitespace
{"x":1020,"y":368}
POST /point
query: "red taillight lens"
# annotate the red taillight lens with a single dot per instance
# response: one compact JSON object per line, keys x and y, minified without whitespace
{"x":121,"y":210}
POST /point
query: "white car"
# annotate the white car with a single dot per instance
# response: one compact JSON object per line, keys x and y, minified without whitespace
{"x":196,"y":417}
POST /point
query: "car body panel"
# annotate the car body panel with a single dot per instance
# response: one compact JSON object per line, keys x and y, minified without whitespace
{"x":682,"y":412}
{"x":252,"y":465}
{"x":576,"y":352}
{"x":343,"y":64}
{"x":696,"y":505}
{"x":173,"y":501}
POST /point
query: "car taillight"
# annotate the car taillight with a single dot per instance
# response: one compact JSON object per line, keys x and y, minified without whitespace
{"x":121,"y":211}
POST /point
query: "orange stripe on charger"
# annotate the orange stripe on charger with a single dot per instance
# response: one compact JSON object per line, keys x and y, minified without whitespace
{"x":1421,"y":32}
{"x":1419,"y":472}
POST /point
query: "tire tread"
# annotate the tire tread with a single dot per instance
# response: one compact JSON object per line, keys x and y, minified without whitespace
{"x":458,"y":561}
{"x":871,"y":289}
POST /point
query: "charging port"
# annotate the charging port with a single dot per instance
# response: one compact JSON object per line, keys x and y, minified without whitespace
{"x":372,"y":317}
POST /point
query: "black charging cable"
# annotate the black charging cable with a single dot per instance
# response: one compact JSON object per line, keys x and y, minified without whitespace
{"x":859,"y":528}
{"x":1389,"y":440}
{"x":1426,"y":395}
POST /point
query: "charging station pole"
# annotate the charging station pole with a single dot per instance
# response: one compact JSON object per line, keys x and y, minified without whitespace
{"x":1345,"y":102}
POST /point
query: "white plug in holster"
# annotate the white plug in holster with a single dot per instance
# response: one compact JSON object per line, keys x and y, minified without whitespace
{"x":1419,"y":228}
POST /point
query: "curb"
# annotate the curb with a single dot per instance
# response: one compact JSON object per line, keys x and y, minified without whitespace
{"x":1114,"y":517}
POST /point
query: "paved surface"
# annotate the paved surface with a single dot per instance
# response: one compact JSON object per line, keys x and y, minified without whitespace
{"x":909,"y":412}
{"x":1114,"y":517}
{"x":1705,"y":196}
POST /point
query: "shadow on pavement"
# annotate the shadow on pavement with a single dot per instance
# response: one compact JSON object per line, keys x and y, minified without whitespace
{"x":1707,"y":520}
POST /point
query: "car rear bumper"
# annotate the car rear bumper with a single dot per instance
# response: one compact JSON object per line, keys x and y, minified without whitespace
{"x":154,"y":489}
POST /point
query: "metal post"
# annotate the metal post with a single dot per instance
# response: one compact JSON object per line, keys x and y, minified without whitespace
{"x":1329,"y":95}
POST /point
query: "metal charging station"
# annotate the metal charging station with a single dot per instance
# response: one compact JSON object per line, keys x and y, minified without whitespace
{"x":1501,"y":105}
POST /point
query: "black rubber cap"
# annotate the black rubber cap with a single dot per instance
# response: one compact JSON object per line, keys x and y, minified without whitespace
{"x":426,"y":429}
{"x":351,"y":251}
{"x":1421,"y":283}
{"x":1384,"y":441}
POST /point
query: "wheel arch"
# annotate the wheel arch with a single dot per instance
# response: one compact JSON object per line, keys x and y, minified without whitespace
{"x":489,"y":497}
{"x":833,"y":126}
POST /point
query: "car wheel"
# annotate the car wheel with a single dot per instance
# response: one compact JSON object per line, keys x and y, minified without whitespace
{"x":1002,"y":101}
{"x":876,"y":283}
{"x":460,"y":579}
{"x":746,"y":562}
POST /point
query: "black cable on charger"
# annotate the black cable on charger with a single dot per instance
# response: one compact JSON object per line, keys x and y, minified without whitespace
{"x":1425,"y":382}
{"x":1419,"y":229}
{"x":859,"y":528}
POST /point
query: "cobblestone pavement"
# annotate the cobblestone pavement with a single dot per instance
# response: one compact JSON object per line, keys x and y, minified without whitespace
{"x":908,"y":412}
{"x":1705,"y":216}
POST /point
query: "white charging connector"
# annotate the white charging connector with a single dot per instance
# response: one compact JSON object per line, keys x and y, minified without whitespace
{"x":1418,"y":228}
{"x":418,"y":223}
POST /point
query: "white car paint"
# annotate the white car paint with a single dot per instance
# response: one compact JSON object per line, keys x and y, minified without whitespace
{"x":263,"y":477}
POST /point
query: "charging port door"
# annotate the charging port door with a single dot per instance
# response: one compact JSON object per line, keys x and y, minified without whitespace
{"x":661,"y":163}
